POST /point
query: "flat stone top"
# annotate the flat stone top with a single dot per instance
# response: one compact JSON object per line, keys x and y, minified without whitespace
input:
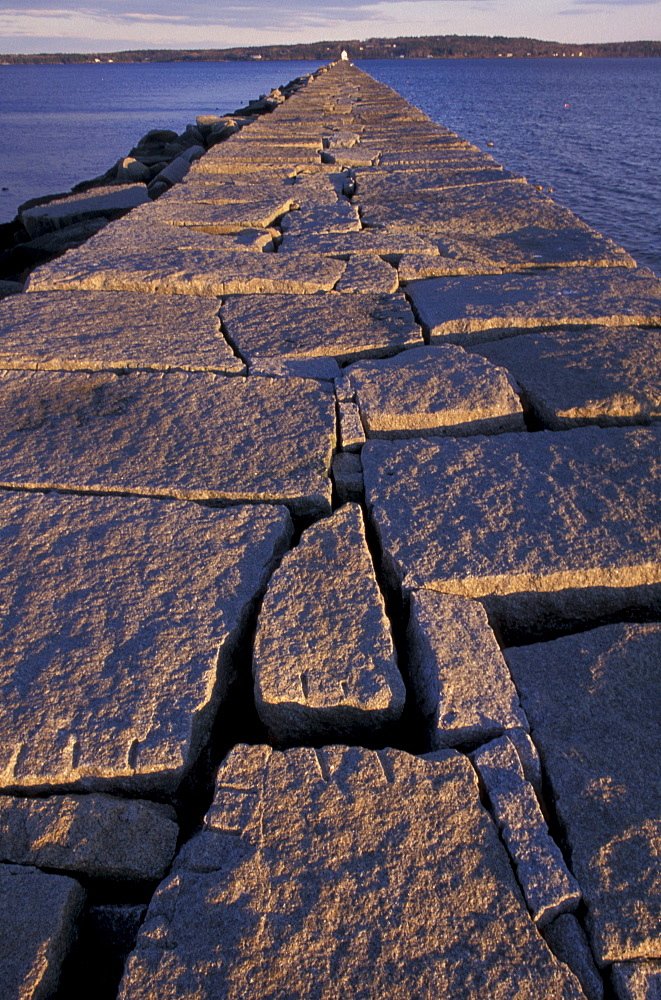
{"x":333,"y":325}
{"x":187,"y":272}
{"x":429,"y":388}
{"x":519,"y":512}
{"x":401,"y":186}
{"x":106,"y":330}
{"x":215,"y":218}
{"x":343,"y":873}
{"x":474,"y":309}
{"x":537,"y":246}
{"x":366,"y":241}
{"x":115,"y":196}
{"x":189,"y":436}
{"x":604,"y":376}
{"x":116,"y":612}
{"x":129,"y":235}
{"x":37,"y":925}
{"x":593,"y":700}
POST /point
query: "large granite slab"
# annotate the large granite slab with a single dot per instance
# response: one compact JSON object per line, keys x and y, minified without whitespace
{"x":391,"y":246}
{"x":535,"y":246}
{"x":133,"y":236}
{"x":107,"y":330}
{"x":377,"y":186}
{"x":593,"y":704}
{"x":431,"y":391}
{"x":189,"y":436}
{"x":187,"y":272}
{"x":546,"y":528}
{"x":96,"y":835}
{"x":607,"y":375}
{"x":467,"y":310}
{"x":215,"y":218}
{"x":121,"y":618}
{"x":460,"y":680}
{"x":106,"y":202}
{"x":343,"y":872}
{"x":324,"y":663}
{"x":336,"y":325}
{"x":38,"y":914}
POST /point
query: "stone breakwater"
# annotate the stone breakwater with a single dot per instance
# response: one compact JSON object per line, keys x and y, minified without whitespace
{"x":331,"y":584}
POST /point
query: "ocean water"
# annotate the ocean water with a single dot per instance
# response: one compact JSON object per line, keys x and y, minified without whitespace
{"x":590,"y":129}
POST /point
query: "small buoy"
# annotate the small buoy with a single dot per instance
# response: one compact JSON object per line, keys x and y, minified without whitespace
{"x":538,"y":187}
{"x":550,"y":190}
{"x":491,"y":144}
{"x":568,"y":105}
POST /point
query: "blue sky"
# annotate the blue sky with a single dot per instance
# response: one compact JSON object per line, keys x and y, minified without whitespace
{"x":104,"y":25}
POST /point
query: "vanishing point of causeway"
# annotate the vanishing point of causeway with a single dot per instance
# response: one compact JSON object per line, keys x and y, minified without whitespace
{"x":330,"y":584}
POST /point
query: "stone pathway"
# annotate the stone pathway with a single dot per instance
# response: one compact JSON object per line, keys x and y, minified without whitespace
{"x":330,"y":587}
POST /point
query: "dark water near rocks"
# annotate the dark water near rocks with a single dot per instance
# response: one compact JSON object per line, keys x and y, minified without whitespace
{"x":590,"y":129}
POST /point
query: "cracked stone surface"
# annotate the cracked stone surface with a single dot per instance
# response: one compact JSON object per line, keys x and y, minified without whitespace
{"x":604,"y":376}
{"x":106,"y":330}
{"x":334,"y":325}
{"x":340,"y":217}
{"x":215,"y":218}
{"x":636,"y":980}
{"x":544,"y":528}
{"x":568,"y":942}
{"x":387,"y":245}
{"x":95,"y":835}
{"x":122,"y":621}
{"x":431,"y":391}
{"x":188,"y":272}
{"x":324,"y":662}
{"x":130,"y":236}
{"x":461,"y":682}
{"x":548,"y":886}
{"x":343,"y":872}
{"x":468,"y":310}
{"x":366,"y":273}
{"x":191,"y":436}
{"x":592,"y":701}
{"x":104,"y":201}
{"x":38,"y":915}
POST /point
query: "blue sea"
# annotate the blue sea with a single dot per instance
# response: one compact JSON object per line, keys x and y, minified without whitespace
{"x":590,"y":129}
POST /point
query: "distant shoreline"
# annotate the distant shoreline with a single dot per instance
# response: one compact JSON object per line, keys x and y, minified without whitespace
{"x":423,"y":47}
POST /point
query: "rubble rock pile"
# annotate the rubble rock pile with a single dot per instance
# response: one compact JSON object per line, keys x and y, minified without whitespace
{"x":330,"y":545}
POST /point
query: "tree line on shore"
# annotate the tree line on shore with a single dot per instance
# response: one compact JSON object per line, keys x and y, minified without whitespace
{"x":425,"y":47}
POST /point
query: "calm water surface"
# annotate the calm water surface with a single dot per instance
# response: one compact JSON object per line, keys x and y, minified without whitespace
{"x":590,"y":129}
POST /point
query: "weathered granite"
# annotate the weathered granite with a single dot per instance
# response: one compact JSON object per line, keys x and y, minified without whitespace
{"x":607,"y":375}
{"x":190,"y":436}
{"x":409,"y":187}
{"x":188,"y":272}
{"x":340,"y":217}
{"x":107,"y":330}
{"x":344,"y":327}
{"x":415,"y":266}
{"x":568,"y":942}
{"x":390,"y":246}
{"x":38,"y":915}
{"x":592,"y":700}
{"x":107,"y":202}
{"x":472,"y":310}
{"x":528,"y":756}
{"x":460,"y":680}
{"x":516,"y":519}
{"x":324,"y":662}
{"x":636,"y":980}
{"x":548,"y":886}
{"x":431,"y":391}
{"x":343,"y":872}
{"x":10,"y":288}
{"x":366,"y":273}
{"x":95,"y":835}
{"x":534,"y":246}
{"x":352,"y":432}
{"x":122,"y":617}
{"x":131,"y":236}
{"x":214,"y":218}
{"x":320,"y":368}
{"x":347,"y":473}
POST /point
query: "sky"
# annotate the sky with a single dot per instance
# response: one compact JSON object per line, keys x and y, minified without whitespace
{"x":107,"y":25}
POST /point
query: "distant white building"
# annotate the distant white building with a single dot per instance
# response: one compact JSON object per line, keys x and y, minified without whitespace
{"x":345,"y":55}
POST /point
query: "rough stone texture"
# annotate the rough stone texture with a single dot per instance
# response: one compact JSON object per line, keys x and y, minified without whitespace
{"x":530,"y":762}
{"x":347,"y":472}
{"x":106,"y":202}
{"x":210,"y":190}
{"x":343,"y":873}
{"x":324,"y":662}
{"x":320,"y":368}
{"x":188,"y":272}
{"x":10,"y":288}
{"x":572,"y":516}
{"x":214,"y":218}
{"x":433,"y":391}
{"x":592,"y":700}
{"x":189,"y":436}
{"x":37,"y":926}
{"x":473,"y":310}
{"x":415,"y":266}
{"x":548,"y":886}
{"x":603,"y":376}
{"x":388,"y":245}
{"x":340,"y":217}
{"x":566,"y":939}
{"x":388,"y":186}
{"x":636,"y":980}
{"x":461,"y":682}
{"x":334,"y":325}
{"x":121,"y":623}
{"x":365,"y":273}
{"x":105,"y":330}
{"x":95,"y":835}
{"x":533,"y":246}
{"x":352,"y":434}
{"x":128,"y":236}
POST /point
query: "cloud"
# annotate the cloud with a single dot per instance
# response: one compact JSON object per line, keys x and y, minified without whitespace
{"x":588,"y":6}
